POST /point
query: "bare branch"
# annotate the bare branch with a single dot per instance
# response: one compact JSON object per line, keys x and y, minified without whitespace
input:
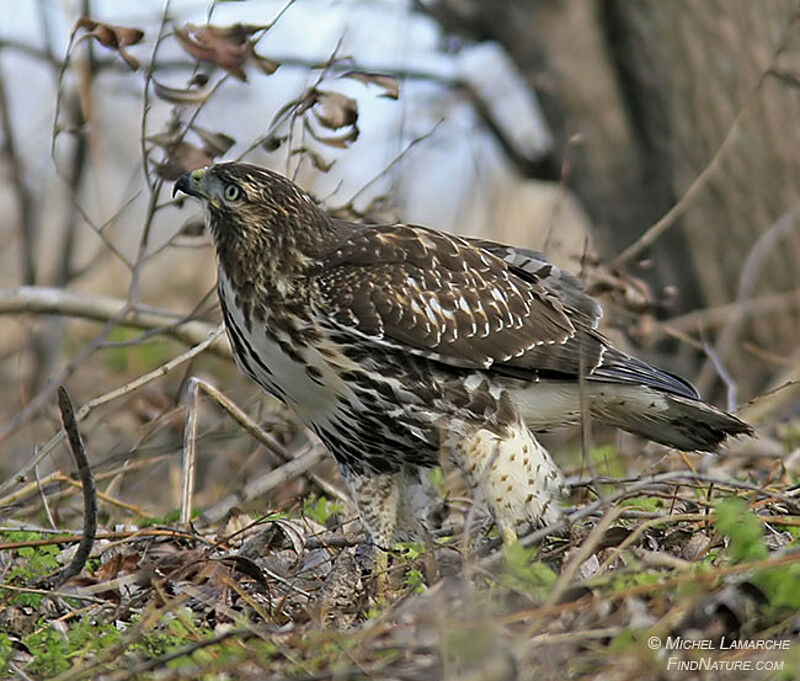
{"x":45,"y":300}
{"x":258,"y":433}
{"x":89,"y":492}
{"x":189,"y":455}
{"x":751,"y":270}
{"x":26,"y":223}
{"x":265,"y":483}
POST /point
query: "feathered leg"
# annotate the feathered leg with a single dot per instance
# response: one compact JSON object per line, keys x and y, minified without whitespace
{"x":392,"y":506}
{"x":513,"y":472}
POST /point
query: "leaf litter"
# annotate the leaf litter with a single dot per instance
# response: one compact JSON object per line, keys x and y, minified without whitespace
{"x":294,"y":593}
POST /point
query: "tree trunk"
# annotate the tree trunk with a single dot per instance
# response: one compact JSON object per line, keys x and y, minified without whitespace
{"x":651,"y":89}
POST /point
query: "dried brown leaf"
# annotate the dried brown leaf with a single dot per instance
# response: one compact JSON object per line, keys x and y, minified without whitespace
{"x":202,"y":44}
{"x":174,"y":95}
{"x":198,"y":80}
{"x":109,"y":35}
{"x":294,"y":532}
{"x":339,"y":141}
{"x":265,"y":64}
{"x":193,"y":226}
{"x":389,"y":84}
{"x":334,"y":110}
{"x":235,"y":33}
{"x":163,"y":139}
{"x":273,"y":142}
{"x":181,"y":157}
{"x":244,"y":565}
{"x":317,"y":160}
{"x":229,"y":47}
{"x":214,"y":143}
{"x":113,"y":37}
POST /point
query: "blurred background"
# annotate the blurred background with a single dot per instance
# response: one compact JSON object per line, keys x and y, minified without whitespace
{"x":649,"y":147}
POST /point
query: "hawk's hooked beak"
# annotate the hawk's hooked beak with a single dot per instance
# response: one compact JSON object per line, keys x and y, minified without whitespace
{"x":191,"y":183}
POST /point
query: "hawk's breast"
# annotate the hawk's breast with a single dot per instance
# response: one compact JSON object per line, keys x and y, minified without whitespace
{"x":368,"y":410}
{"x":275,"y":355}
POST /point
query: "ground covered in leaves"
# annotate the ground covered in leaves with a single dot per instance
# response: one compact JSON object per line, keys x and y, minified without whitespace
{"x":676,"y":573}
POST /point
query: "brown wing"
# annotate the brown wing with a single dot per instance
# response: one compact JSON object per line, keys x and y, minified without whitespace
{"x":439,"y":296}
{"x":527,"y":263}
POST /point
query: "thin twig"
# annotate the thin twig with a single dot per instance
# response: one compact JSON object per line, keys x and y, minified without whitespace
{"x":52,"y":592}
{"x":111,"y":536}
{"x":21,"y":674}
{"x":399,"y":157}
{"x":725,"y":375}
{"x":190,"y":648}
{"x":83,"y":113}
{"x":43,"y":497}
{"x":635,"y":486}
{"x":261,"y":436}
{"x":585,"y":550}
{"x":110,"y":500}
{"x":189,"y":456}
{"x":719,"y":315}
{"x":89,"y":496}
{"x":148,"y":77}
{"x":148,"y":619}
{"x":26,"y":224}
{"x":752,"y":268}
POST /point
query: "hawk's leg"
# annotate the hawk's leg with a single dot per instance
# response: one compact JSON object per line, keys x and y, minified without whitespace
{"x":513,"y":472}
{"x":392,"y":506}
{"x":377,"y":497}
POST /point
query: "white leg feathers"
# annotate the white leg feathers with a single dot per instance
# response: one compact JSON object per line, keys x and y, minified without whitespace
{"x":513,"y":472}
{"x":505,"y":466}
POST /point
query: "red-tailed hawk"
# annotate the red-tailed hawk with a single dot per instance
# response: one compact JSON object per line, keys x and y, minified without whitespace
{"x":391,"y":341}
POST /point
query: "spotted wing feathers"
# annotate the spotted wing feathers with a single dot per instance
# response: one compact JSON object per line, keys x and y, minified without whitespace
{"x":527,"y":263}
{"x":442,"y":297}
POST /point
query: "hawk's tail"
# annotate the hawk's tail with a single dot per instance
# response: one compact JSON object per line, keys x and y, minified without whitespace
{"x":674,"y":420}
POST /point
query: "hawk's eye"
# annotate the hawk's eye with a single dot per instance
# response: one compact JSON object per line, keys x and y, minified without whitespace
{"x":232,"y":192}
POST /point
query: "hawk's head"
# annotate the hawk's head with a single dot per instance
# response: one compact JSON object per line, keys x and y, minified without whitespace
{"x":256,"y":215}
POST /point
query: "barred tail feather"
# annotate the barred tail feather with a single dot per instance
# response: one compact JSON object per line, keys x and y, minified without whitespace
{"x":669,"y":419}
{"x":674,"y":420}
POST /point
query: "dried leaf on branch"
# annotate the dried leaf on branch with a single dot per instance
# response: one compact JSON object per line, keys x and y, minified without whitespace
{"x":196,"y":93}
{"x":334,"y":110}
{"x":229,"y":47}
{"x":181,"y":156}
{"x":317,"y":160}
{"x":214,"y":143}
{"x":389,"y":84}
{"x":339,"y":141}
{"x":115,"y":38}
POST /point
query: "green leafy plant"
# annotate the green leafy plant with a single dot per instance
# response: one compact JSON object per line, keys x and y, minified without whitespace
{"x":409,"y":550}
{"x":744,"y":530}
{"x":320,"y":509}
{"x":6,"y":650}
{"x":523,"y":573}
{"x":31,"y":564}
{"x":745,"y":533}
{"x":643,"y":503}
{"x":415,"y":581}
{"x":54,"y":653}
